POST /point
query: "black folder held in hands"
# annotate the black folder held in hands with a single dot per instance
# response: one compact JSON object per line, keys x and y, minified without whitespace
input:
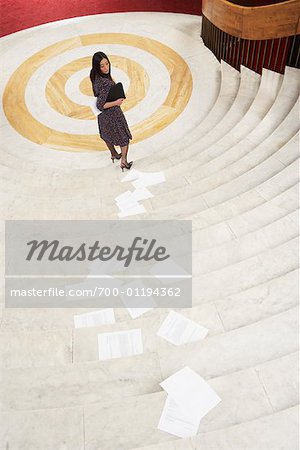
{"x":116,"y":92}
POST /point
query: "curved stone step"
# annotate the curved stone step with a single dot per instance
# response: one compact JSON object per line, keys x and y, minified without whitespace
{"x":61,"y":386}
{"x":210,"y":258}
{"x":85,"y":343}
{"x":267,"y":92}
{"x":240,"y":309}
{"x":234,"y":173}
{"x":89,"y":186}
{"x":204,"y":196}
{"x":139,"y":425}
{"x":197,"y":139}
{"x":254,"y":218}
{"x":269,"y":88}
{"x":245,"y":274}
{"x":247,"y":92}
{"x":278,"y":431}
{"x":284,"y":105}
{"x":237,"y":161}
{"x":283,"y":203}
{"x":53,"y":429}
{"x":35,"y":349}
{"x":227,"y":250}
{"x":272,"y":85}
{"x":243,"y":348}
{"x":230,"y":82}
{"x":258,"y":302}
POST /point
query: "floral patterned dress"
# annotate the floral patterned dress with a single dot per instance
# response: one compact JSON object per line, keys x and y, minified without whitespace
{"x":113,"y":127}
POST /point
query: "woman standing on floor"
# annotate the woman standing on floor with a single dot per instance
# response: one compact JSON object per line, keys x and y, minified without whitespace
{"x":113,"y":128}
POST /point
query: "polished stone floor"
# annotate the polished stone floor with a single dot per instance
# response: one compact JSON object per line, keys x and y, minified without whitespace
{"x":227,"y":143}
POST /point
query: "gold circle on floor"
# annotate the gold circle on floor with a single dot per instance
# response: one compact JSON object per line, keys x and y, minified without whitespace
{"x":59,"y":101}
{"x":24,"y":123}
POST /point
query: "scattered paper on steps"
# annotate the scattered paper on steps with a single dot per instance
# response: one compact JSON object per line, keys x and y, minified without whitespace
{"x":177,"y":421}
{"x":179,"y":330}
{"x":139,"y":194}
{"x":142,"y":179}
{"x":139,"y":209}
{"x":132,"y":175}
{"x":188,"y":388}
{"x":137,"y":312}
{"x":172,"y":268}
{"x":189,"y":399}
{"x":136,"y":306}
{"x":94,"y":319}
{"x":149,"y":179}
{"x":120,"y":344}
{"x":128,"y":202}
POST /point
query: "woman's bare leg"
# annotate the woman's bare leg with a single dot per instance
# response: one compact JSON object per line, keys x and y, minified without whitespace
{"x":124,"y":151}
{"x":112,"y":149}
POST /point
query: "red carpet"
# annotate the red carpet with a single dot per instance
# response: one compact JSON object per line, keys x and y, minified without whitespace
{"x":19,"y":14}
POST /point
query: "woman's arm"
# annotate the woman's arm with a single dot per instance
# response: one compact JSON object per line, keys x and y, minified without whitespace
{"x":101,"y":87}
{"x":111,"y":104}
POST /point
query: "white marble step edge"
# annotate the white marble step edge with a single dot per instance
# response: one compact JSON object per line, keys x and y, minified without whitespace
{"x":250,"y":401}
{"x":282,"y":143}
{"x":269,"y":87}
{"x":95,"y":381}
{"x":281,"y":108}
{"x":83,"y":429}
{"x":258,"y":301}
{"x":279,"y":333}
{"x":236,"y":138}
{"x":278,"y":431}
{"x":247,"y":92}
{"x":201,"y":197}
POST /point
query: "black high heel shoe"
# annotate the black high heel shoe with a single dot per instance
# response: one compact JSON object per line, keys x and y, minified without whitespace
{"x":118,"y":156}
{"x":126,"y":165}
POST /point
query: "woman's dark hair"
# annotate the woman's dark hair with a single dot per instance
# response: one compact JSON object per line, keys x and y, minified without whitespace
{"x":97,"y":58}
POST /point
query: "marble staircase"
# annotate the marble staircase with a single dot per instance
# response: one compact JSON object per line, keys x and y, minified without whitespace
{"x":235,"y":175}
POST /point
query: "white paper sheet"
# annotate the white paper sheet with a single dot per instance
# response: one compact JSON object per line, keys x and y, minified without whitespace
{"x":94,"y":319}
{"x":171,"y":268}
{"x":122,"y":198}
{"x":137,"y":195}
{"x":140,"y":209}
{"x":191,"y":392}
{"x":179,"y":330}
{"x":129,"y":204}
{"x":94,"y":107}
{"x":149,"y":179}
{"x":178,"y":421}
{"x":133,"y":174}
{"x":147,"y":303}
{"x":141,"y":194}
{"x":120,"y":344}
{"x":137,"y":312}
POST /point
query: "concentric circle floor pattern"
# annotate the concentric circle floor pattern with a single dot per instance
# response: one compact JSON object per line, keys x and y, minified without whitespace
{"x":17,"y":113}
{"x":227,"y":143}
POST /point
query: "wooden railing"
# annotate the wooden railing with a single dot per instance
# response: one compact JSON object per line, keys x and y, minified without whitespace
{"x":258,"y":23}
{"x":241,"y":36}
{"x":250,"y":3}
